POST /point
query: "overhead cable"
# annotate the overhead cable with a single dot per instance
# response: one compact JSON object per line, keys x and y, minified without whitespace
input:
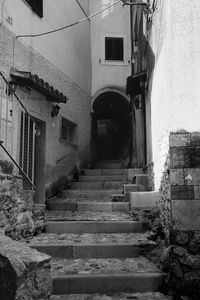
{"x":70,"y":25}
{"x":83,"y":10}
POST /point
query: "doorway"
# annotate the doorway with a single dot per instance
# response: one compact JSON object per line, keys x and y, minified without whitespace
{"x":110,"y":127}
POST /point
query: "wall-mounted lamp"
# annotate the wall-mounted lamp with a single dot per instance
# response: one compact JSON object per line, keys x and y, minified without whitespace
{"x":11,"y":88}
{"x":138,"y":102}
{"x":55,"y":110}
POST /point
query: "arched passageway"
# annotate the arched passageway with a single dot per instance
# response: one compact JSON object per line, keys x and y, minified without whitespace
{"x":110,"y":127}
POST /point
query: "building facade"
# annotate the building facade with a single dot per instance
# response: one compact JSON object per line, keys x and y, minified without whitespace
{"x":112,"y":62}
{"x":49,"y":74}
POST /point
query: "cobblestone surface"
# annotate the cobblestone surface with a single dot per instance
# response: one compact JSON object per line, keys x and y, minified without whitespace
{"x":101,"y":266}
{"x":137,"y":296}
{"x":86,"y":238}
{"x":87,"y":216}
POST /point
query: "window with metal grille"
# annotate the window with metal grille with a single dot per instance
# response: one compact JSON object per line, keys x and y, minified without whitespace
{"x":37,"y":6}
{"x":27,"y":148}
{"x":114,"y":48}
{"x":68,"y":131}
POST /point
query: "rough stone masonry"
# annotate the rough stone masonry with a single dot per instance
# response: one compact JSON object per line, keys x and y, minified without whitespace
{"x":24,"y":272}
{"x":19,"y":216}
{"x":180,"y":213}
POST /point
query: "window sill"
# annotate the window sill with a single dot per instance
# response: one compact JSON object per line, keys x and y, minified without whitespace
{"x":114,"y":63}
{"x":68,"y":143}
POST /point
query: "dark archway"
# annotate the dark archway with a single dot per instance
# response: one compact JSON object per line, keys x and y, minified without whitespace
{"x":110,"y":126}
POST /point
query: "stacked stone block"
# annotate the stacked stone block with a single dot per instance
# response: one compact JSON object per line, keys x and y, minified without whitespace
{"x":180,"y":194}
{"x":25,"y":273}
{"x":19,"y":216}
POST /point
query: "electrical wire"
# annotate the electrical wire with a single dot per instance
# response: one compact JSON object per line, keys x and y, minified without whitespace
{"x":83,"y":10}
{"x":70,"y":25}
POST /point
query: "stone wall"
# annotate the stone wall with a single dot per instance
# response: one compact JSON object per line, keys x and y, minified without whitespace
{"x":19,"y":216}
{"x":180,"y":211}
{"x":165,"y":203}
{"x":24,"y":272}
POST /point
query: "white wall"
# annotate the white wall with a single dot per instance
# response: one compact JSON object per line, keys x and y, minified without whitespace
{"x":68,"y":50}
{"x":175,"y":84}
{"x":115,"y":21}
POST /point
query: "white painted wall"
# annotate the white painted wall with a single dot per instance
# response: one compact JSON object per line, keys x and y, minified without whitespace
{"x":174,"y":97}
{"x":68,"y":50}
{"x":114,"y":22}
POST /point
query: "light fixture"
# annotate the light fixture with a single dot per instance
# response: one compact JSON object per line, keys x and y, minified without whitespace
{"x":55,"y":110}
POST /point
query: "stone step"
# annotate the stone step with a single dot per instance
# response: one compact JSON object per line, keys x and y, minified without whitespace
{"x":119,"y":296}
{"x":103,"y":195}
{"x":86,"y":178}
{"x":131,"y":172}
{"x":95,"y":185}
{"x":106,"y":172}
{"x":64,"y":205}
{"x":70,"y":205}
{"x":105,"y":275}
{"x":88,"y":216}
{"x":70,"y":246}
{"x":108,"y":165}
{"x":93,"y":227}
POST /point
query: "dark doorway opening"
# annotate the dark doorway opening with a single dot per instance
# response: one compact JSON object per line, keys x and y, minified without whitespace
{"x":110,"y":132}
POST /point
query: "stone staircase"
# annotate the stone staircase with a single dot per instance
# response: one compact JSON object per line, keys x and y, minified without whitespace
{"x":98,"y":250}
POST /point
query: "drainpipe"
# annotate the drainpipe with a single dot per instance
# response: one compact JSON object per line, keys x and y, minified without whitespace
{"x":132,"y":120}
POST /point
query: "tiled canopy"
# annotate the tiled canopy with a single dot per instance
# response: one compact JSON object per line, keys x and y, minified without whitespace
{"x":38,"y":84}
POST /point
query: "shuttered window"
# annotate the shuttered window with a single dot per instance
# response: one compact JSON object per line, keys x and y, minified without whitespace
{"x":27,"y":148}
{"x":37,"y":6}
{"x":114,"y":48}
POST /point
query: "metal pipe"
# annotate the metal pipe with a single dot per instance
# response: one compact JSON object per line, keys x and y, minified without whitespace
{"x":1,"y":144}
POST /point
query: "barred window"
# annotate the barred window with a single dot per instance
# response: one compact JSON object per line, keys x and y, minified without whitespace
{"x":37,"y":6}
{"x":68,"y":131}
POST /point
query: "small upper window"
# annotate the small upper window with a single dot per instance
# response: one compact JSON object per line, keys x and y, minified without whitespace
{"x":37,"y":6}
{"x":114,"y":48}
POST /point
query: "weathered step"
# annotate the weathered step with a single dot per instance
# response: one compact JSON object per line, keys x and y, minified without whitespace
{"x":92,"y":172}
{"x":105,"y":275}
{"x":119,"y":296}
{"x":93,"y":227}
{"x":93,"y":245}
{"x":64,"y":205}
{"x":107,"y":185}
{"x":108,"y":165}
{"x":103,"y":195}
{"x":86,"y":178}
{"x":88,"y":216}
{"x":103,"y":172}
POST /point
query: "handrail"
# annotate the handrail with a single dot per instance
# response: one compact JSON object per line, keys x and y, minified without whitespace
{"x":63,"y":158}
{"x":1,"y":144}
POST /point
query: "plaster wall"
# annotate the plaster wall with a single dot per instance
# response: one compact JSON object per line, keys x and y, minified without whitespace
{"x":67,"y":50}
{"x":174,"y":82}
{"x":113,"y":22}
{"x":61,"y":157}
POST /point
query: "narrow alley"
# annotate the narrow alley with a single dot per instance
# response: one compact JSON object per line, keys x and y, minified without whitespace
{"x":99,"y":150}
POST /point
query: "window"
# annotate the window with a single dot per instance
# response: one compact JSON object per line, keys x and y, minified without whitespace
{"x":37,"y":6}
{"x":68,"y":131}
{"x":114,"y":48}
